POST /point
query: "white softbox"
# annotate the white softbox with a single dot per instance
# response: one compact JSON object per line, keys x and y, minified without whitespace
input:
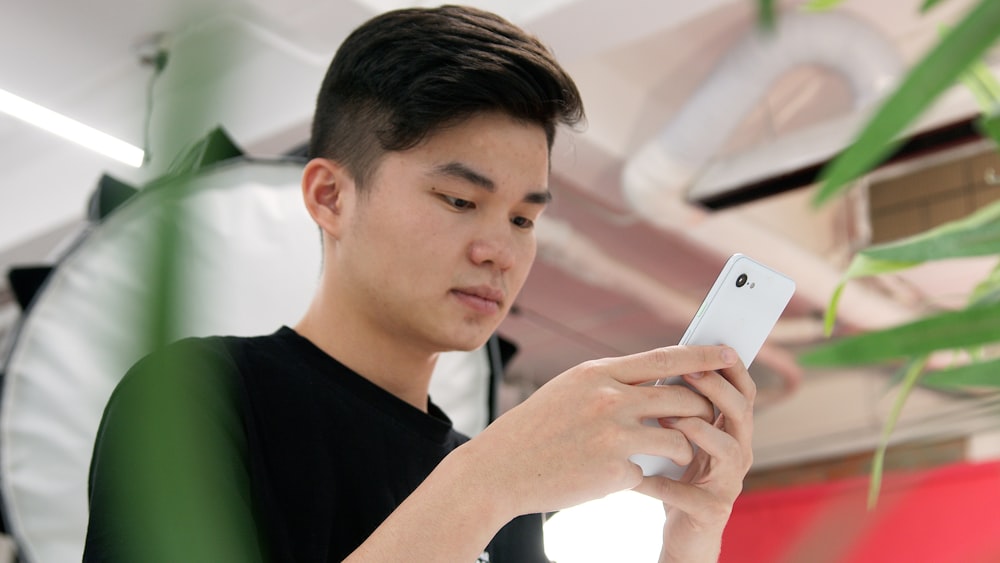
{"x":252,"y":265}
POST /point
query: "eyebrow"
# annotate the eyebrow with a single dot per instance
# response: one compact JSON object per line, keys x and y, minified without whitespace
{"x":463,"y":172}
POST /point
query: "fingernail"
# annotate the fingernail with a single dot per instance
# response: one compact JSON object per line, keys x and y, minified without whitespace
{"x":668,"y":421}
{"x":728,"y":355}
{"x":696,"y":375}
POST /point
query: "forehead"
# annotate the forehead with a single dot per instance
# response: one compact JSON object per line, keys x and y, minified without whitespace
{"x":489,"y":139}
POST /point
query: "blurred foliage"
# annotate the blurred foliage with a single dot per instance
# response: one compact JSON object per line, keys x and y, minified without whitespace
{"x":820,"y":5}
{"x":766,"y":15}
{"x":925,"y":82}
{"x":973,"y":329}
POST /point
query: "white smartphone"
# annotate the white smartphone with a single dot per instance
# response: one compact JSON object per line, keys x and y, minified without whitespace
{"x":739,"y":311}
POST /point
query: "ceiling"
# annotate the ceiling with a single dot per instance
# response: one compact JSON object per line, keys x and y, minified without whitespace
{"x":621,"y":268}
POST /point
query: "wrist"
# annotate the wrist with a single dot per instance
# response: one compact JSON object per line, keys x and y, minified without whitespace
{"x":451,"y":516}
{"x":687,"y":542}
{"x":476,"y":480}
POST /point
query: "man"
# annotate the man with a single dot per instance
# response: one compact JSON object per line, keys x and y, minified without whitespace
{"x":429,"y":169}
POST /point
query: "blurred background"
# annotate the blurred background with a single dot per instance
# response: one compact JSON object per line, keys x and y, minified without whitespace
{"x":704,"y":137}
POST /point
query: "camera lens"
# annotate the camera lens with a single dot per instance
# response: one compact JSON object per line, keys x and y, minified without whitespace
{"x":741,"y":280}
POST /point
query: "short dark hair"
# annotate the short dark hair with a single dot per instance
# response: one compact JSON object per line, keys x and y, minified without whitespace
{"x":405,"y":74}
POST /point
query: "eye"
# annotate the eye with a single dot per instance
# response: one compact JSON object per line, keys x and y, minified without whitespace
{"x":522,"y":222}
{"x":459,"y":203}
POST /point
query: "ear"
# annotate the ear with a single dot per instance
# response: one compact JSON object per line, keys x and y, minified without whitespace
{"x":327,"y":190}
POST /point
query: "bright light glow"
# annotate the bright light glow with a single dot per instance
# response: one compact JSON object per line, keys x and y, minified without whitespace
{"x":70,"y":129}
{"x":623,"y":526}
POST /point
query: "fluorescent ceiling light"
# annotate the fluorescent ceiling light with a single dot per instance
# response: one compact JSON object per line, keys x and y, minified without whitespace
{"x":70,"y":129}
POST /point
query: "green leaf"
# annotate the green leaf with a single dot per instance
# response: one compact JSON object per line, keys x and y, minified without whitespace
{"x":979,"y":79}
{"x":972,"y":326}
{"x":975,"y":235}
{"x":214,"y":147}
{"x":989,"y":126}
{"x":765,"y":15}
{"x":982,"y":73}
{"x":830,"y":317}
{"x":988,"y":290}
{"x":979,"y":92}
{"x":861,"y":266}
{"x":921,"y":86}
{"x":981,"y":374}
{"x":820,"y":5}
{"x":983,"y":85}
{"x":928,"y":4}
{"x":911,"y":374}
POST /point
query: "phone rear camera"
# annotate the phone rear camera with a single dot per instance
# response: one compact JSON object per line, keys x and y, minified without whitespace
{"x":741,"y":280}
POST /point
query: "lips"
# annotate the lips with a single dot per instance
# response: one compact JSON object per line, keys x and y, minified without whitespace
{"x":483,"y":298}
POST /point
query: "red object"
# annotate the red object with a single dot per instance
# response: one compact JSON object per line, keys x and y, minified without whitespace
{"x":944,"y":515}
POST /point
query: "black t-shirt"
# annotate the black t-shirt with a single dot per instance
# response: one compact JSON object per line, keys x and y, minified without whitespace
{"x":261,"y":449}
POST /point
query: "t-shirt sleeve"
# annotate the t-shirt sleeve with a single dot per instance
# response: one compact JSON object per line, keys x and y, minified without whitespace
{"x":169,"y":479}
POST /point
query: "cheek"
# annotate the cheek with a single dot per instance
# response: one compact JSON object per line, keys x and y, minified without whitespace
{"x":530,"y":249}
{"x":524,"y":260}
{"x":425,"y":249}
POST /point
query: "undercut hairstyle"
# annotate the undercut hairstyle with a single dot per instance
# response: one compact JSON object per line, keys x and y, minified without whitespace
{"x":409,"y":73}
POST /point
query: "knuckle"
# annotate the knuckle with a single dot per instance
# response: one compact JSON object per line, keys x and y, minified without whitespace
{"x":684,"y":453}
{"x":663,"y":358}
{"x":608,"y":400}
{"x":748,"y":413}
{"x":706,"y":354}
{"x":664,"y":488}
{"x":626,"y":473}
{"x":752,"y":390}
{"x":592,"y":368}
{"x":633,"y":475}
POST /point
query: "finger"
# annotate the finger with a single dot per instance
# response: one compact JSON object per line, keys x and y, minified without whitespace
{"x":670,"y":401}
{"x":736,"y":376}
{"x":740,"y":377}
{"x":736,"y":407}
{"x":698,"y":503}
{"x":664,"y":442}
{"x":726,"y":449}
{"x":658,"y":363}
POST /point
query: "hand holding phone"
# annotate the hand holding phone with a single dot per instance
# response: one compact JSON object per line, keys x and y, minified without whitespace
{"x":739,"y":311}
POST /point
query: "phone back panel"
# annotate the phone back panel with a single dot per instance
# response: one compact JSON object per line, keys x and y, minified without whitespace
{"x":741,"y":315}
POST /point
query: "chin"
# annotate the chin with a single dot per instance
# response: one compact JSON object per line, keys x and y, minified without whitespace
{"x":470,"y":333}
{"x":467,"y":342}
{"x":468,"y":347}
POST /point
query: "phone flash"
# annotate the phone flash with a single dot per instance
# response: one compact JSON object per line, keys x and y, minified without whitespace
{"x":752,"y":285}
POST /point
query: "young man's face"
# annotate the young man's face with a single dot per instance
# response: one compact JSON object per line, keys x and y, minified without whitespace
{"x":443,"y":239}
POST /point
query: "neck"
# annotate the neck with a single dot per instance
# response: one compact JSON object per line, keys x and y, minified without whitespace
{"x":401,"y":370}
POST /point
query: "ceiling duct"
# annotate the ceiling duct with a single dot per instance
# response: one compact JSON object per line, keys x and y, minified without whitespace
{"x":656,"y":179}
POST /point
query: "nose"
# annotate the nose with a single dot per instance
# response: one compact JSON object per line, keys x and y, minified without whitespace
{"x":494,"y":248}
